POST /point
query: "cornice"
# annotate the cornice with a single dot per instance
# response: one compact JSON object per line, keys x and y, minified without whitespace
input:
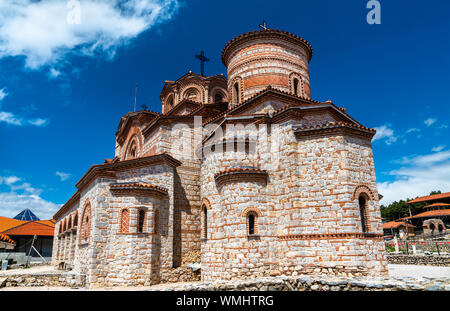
{"x":141,"y":188}
{"x":239,"y":174}
{"x":270,"y":33}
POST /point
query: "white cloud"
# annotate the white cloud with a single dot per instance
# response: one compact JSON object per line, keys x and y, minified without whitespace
{"x":9,"y":180}
{"x":11,"y":119}
{"x":438,"y":148}
{"x":412,"y":130}
{"x":53,"y":73}
{"x":430,"y":121}
{"x":419,"y":176}
{"x":385,"y":133}
{"x":63,"y":176}
{"x":38,"y":122}
{"x":12,"y":203}
{"x":23,"y":195}
{"x":3,"y":94}
{"x":40,"y":31}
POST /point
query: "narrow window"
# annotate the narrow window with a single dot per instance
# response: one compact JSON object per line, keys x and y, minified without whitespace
{"x":236,"y":93}
{"x":132,"y":153}
{"x":251,"y":224}
{"x":218,"y":98}
{"x":124,"y":221}
{"x":296,"y":86}
{"x":141,"y":219}
{"x":205,"y":222}
{"x":363,"y":212}
{"x":432,"y":227}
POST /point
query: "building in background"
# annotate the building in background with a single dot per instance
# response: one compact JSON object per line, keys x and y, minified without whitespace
{"x":22,"y":228}
{"x":435,"y":219}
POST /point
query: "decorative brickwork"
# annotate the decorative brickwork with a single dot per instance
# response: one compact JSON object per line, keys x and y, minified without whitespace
{"x":275,"y":184}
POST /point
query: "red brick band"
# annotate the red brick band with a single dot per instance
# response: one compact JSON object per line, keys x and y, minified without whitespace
{"x":329,"y":236}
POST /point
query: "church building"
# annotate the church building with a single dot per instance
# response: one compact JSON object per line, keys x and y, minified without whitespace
{"x":245,"y":174}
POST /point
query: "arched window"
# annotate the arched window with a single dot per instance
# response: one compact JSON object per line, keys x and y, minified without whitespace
{"x":124,"y":220}
{"x":85,"y":225}
{"x":295,"y":85}
{"x":192,"y":94}
{"x":252,"y":218}
{"x":432,"y":227}
{"x":69,"y":226}
{"x":170,"y":102}
{"x":141,"y":221}
{"x":236,"y":93}
{"x":132,"y":153}
{"x":204,"y":222}
{"x":363,"y":207}
{"x":218,"y":98}
{"x":75,"y":221}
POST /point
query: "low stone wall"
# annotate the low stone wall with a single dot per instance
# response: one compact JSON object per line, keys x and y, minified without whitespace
{"x":181,"y":274}
{"x":317,"y":283}
{"x":423,"y":260}
{"x":44,"y":279}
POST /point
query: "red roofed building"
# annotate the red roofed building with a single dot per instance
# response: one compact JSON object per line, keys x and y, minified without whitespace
{"x":435,"y":221}
{"x":441,"y":197}
{"x":400,"y":228}
{"x":21,"y":233}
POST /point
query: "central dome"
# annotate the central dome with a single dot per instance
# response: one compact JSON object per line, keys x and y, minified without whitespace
{"x":258,"y":59}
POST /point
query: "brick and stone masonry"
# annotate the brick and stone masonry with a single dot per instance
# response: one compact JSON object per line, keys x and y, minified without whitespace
{"x":247,"y":175}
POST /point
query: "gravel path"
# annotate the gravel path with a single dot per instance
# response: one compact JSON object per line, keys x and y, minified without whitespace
{"x":394,"y":271}
{"x":32,"y":270}
{"x":418,"y":271}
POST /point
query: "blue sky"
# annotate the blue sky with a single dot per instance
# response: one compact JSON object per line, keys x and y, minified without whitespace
{"x":63,"y":88}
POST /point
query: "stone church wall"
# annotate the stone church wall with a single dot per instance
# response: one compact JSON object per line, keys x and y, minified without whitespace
{"x":308,"y":213}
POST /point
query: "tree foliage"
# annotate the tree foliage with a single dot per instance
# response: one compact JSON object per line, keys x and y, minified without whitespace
{"x":400,"y":209}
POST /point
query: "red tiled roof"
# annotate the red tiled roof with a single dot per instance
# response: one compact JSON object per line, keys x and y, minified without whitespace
{"x":241,"y":170}
{"x":305,"y":102}
{"x":441,"y":212}
{"x":138,"y":186}
{"x":336,"y":124}
{"x":32,"y":228}
{"x":437,"y":205}
{"x":395,"y":224}
{"x":431,"y":197}
{"x":8,"y":223}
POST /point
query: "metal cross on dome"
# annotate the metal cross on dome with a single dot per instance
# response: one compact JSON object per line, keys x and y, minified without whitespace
{"x":202,"y":59}
{"x":264,"y":26}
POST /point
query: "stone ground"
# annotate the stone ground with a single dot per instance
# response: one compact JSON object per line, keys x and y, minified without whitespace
{"x":32,"y":270}
{"x":419,"y":271}
{"x":401,"y":271}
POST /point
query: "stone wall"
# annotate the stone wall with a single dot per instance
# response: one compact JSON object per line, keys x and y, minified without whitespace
{"x":308,"y":209}
{"x":317,"y":283}
{"x":44,"y":279}
{"x":423,"y":260}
